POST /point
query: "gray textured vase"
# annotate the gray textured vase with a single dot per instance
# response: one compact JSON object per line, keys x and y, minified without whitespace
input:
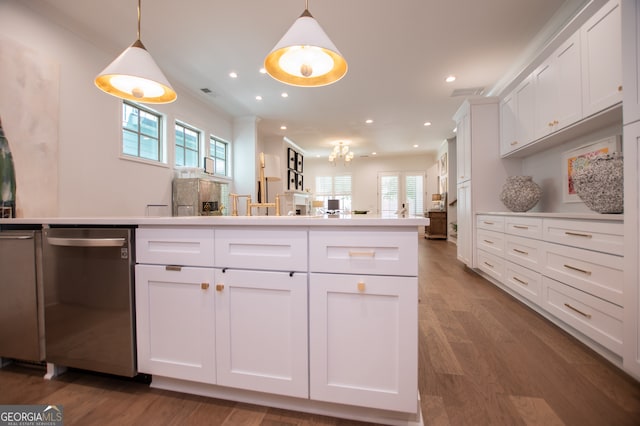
{"x":520,"y":193}
{"x":600,"y":183}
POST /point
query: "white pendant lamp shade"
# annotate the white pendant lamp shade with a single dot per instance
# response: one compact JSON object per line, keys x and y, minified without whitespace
{"x":305,"y":56}
{"x":135,"y":76}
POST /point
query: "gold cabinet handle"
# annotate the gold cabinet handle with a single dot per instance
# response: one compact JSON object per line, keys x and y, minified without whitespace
{"x":486,"y":222}
{"x":488,"y":241}
{"x":520,"y":227}
{"x":353,"y":253}
{"x":550,"y":124}
{"x":514,"y":143}
{"x":173,"y":268}
{"x":521,"y":251}
{"x":578,"y":311}
{"x":219,"y":287}
{"x":619,"y":88}
{"x":204,"y":286}
{"x":578,"y":234}
{"x":573,"y":268}
{"x":489,"y":265}
{"x":520,"y":281}
{"x":361,"y":286}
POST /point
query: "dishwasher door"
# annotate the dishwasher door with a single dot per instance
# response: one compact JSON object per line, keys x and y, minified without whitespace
{"x":21,"y":294}
{"x":89,"y":306}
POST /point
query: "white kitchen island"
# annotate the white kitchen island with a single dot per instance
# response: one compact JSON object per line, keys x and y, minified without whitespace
{"x":312,"y":314}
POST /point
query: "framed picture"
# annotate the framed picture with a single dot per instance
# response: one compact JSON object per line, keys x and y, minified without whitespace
{"x":300,"y":182}
{"x":292,"y":179}
{"x":443,"y":164}
{"x":291,"y":154}
{"x":577,"y":158}
{"x":299,"y":162}
{"x":443,"y":185}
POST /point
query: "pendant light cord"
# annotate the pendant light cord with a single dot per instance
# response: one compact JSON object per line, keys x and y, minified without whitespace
{"x":139,"y":13}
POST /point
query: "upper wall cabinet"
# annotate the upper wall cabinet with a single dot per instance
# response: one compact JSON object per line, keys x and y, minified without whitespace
{"x":630,"y":60}
{"x":517,"y":117}
{"x":602,"y":59}
{"x":558,"y":89}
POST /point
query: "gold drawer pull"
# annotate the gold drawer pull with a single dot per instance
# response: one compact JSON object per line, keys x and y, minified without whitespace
{"x":520,"y":281}
{"x":486,"y":222}
{"x":489,"y":265}
{"x":371,"y":253}
{"x":619,"y":88}
{"x":361,"y":286}
{"x":488,"y":241}
{"x":219,"y":287}
{"x":578,"y":234}
{"x":514,"y":143}
{"x":173,"y":268}
{"x":204,"y":286}
{"x":578,"y":311}
{"x":521,"y":251}
{"x":577,"y":269}
{"x":520,"y":227}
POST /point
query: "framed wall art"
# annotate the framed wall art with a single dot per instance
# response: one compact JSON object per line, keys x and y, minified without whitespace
{"x":578,"y":158}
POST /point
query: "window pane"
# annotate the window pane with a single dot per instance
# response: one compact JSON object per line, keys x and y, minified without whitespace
{"x":221,"y":150}
{"x":179,"y":135}
{"x":179,"y":154}
{"x":388,"y":195}
{"x":191,"y":158}
{"x":148,"y":124}
{"x":129,"y":143}
{"x":221,"y":167}
{"x":129,"y":118}
{"x":191,"y":139}
{"x":140,"y":132}
{"x":149,"y":148}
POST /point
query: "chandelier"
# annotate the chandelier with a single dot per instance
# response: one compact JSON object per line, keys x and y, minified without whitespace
{"x":341,"y":151}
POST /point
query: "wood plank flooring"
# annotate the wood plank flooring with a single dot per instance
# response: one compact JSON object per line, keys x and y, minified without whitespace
{"x":485,"y":359}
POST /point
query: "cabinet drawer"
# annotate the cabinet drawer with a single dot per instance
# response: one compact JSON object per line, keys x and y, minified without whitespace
{"x":596,"y":273}
{"x":492,"y":223}
{"x":175,"y":246}
{"x":364,"y":252}
{"x":523,"y":281}
{"x":601,"y":236}
{"x":490,"y":241}
{"x":282,"y":249}
{"x":530,"y":227}
{"x":523,"y":251}
{"x":596,"y":318}
{"x":491,"y":264}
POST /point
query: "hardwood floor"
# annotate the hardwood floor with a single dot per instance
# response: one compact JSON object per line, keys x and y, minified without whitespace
{"x":485,"y":359}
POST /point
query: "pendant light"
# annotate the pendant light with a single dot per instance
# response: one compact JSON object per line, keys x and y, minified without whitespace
{"x":305,"y":56}
{"x":135,"y":76}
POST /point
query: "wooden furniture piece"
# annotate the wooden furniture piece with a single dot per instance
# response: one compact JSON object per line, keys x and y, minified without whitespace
{"x":437,"y":229}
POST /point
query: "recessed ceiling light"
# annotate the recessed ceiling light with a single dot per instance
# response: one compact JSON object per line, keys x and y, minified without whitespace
{"x":369,"y":121}
{"x":455,"y":129}
{"x":283,"y":127}
{"x":374,"y":153}
{"x":415,"y":146}
{"x":258,"y":98}
{"x":428,"y":123}
{"x":284,"y":95}
{"x":263,"y":71}
{"x":233,"y":74}
{"x":450,"y":79}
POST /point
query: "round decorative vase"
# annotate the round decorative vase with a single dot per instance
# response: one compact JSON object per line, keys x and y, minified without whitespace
{"x":600,"y":183}
{"x":520,"y":193}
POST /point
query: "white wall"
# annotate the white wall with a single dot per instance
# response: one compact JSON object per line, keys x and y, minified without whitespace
{"x":93,"y":179}
{"x":364,"y":172}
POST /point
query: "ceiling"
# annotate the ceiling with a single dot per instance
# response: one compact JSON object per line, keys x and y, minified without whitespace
{"x":398,"y":52}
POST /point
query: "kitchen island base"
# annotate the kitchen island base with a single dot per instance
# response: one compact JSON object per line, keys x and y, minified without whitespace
{"x":363,"y":414}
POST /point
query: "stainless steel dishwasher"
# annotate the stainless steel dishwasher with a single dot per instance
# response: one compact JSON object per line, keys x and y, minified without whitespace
{"x":89,"y":298}
{"x":21,"y":294}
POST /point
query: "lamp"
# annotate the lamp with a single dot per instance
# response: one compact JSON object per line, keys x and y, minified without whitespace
{"x":341,"y":151}
{"x":305,"y":56}
{"x":437,"y":199}
{"x":135,"y":76}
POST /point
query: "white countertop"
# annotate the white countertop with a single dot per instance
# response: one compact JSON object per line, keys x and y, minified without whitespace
{"x":311,"y":221}
{"x":587,"y":216}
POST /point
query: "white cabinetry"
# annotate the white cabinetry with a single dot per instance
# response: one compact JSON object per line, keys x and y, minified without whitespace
{"x":568,"y":268}
{"x":463,"y":146}
{"x":602,"y":59}
{"x":363,"y":319}
{"x":464,"y":243}
{"x":631,"y":60}
{"x":517,"y":117}
{"x":558,"y":101}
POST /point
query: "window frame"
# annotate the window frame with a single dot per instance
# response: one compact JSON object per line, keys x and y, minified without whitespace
{"x":345,"y":197}
{"x":212,"y":154}
{"x":161,"y":138}
{"x":199,"y":157}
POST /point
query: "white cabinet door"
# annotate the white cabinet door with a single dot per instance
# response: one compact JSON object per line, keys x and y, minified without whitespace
{"x":261,"y":331}
{"x":508,"y":124}
{"x":463,"y":147}
{"x":363,"y":340}
{"x":525,"y":106}
{"x":175,"y":322}
{"x":601,"y":40}
{"x":465,"y":224}
{"x":558,"y":99}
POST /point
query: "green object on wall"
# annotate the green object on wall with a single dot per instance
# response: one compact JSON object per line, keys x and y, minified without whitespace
{"x":7,"y":178}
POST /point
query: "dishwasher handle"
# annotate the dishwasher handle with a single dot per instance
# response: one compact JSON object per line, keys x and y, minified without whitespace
{"x":16,"y":237}
{"x":87,"y":242}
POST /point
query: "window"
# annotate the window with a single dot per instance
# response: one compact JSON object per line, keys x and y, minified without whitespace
{"x":219,"y":152}
{"x":334,"y":188}
{"x":141,"y":132}
{"x":395,"y":189}
{"x":187,"y":146}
